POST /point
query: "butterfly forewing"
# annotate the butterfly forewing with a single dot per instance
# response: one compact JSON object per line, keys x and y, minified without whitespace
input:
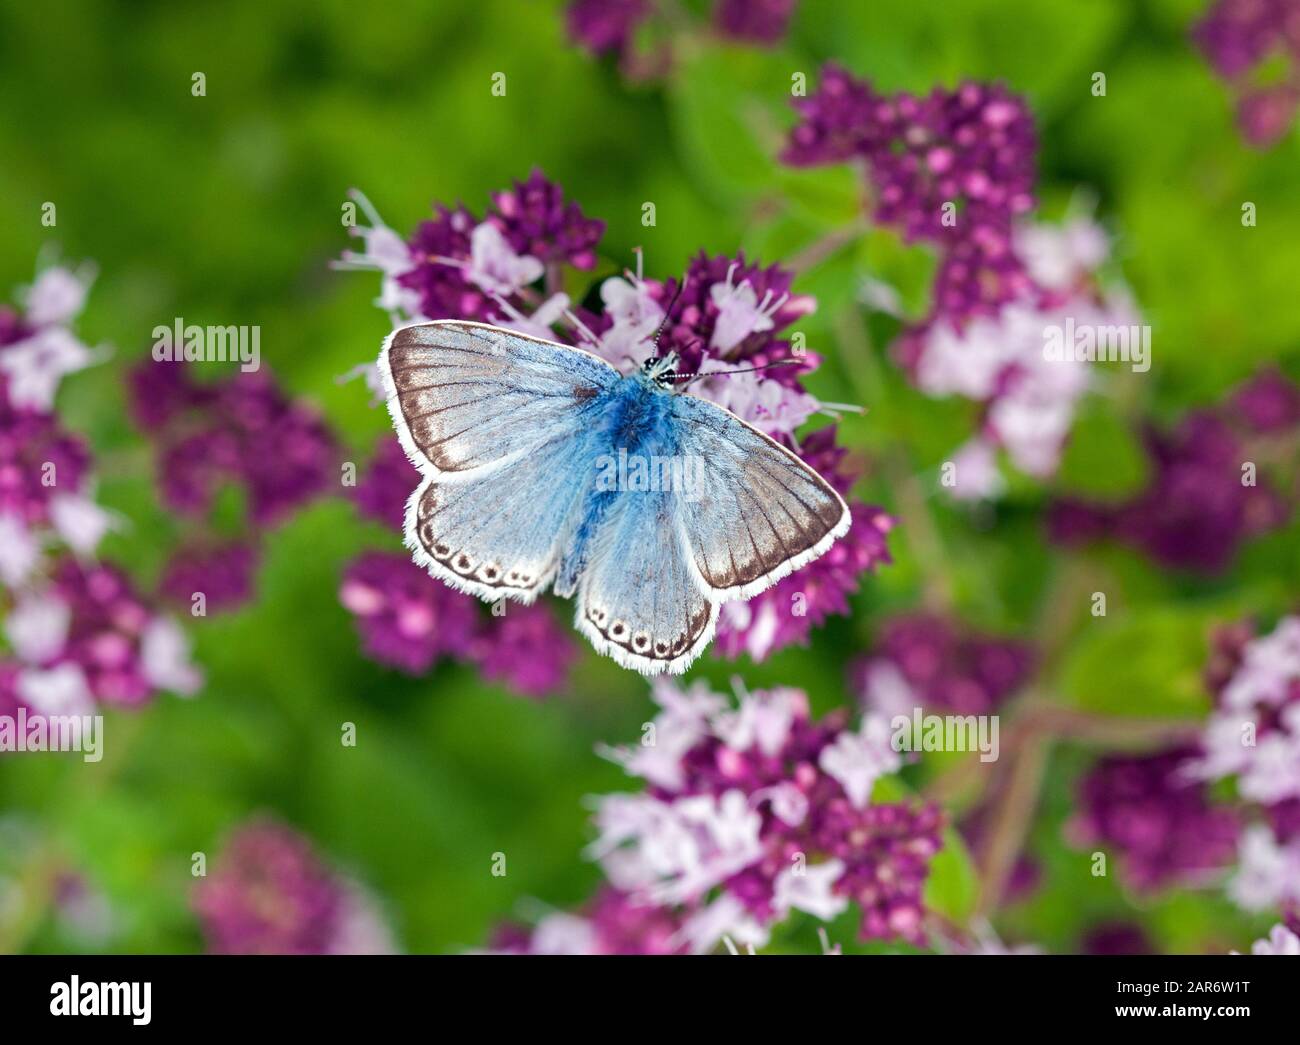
{"x":760,"y":513}
{"x":464,"y":395}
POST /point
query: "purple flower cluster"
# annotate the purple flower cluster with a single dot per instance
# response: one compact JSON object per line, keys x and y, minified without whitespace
{"x":458,"y":266}
{"x":40,"y":463}
{"x":525,"y":649}
{"x":211,"y":434}
{"x":124,"y":649}
{"x":44,"y":470}
{"x":923,"y":660}
{"x":754,"y":810}
{"x":270,"y":893}
{"x":955,"y":170}
{"x":1157,"y":819}
{"x":727,"y":309}
{"x":537,"y":220}
{"x":85,"y":636}
{"x":1205,"y":496}
{"x":409,"y":621}
{"x":406,"y":619}
{"x":726,"y":314}
{"x":1253,"y":737}
{"x":1239,"y":38}
{"x":37,"y":346}
{"x":609,"y":27}
{"x":1254,"y":734}
{"x":612,"y":923}
{"x":223,"y":572}
{"x":78,"y":634}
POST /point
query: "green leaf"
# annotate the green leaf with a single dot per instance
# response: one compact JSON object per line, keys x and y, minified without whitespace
{"x":909,"y":270}
{"x":1103,"y":458}
{"x":832,"y":196}
{"x":1145,"y":663}
{"x":953,"y":885}
{"x":717,"y":120}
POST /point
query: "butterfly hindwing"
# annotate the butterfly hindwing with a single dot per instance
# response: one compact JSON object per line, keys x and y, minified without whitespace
{"x":465,"y":395}
{"x":501,"y":427}
{"x":501,"y":531}
{"x":760,"y":513}
{"x":638,"y":601}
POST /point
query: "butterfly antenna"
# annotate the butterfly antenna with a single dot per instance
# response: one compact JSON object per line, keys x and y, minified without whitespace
{"x":654,"y":339}
{"x":689,"y":378}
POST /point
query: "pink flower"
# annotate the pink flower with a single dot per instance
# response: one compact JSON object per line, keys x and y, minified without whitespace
{"x":1280,"y":940}
{"x":1254,"y":733}
{"x":1238,"y":37}
{"x":40,"y":350}
{"x":612,"y":923}
{"x":212,"y":433}
{"x":269,"y":893}
{"x":526,"y":648}
{"x":407,"y":619}
{"x":765,"y":811}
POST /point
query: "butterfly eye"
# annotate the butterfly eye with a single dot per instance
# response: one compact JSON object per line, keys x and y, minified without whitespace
{"x":648,"y":365}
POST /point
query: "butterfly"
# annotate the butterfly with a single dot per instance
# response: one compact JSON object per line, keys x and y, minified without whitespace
{"x":542,"y":466}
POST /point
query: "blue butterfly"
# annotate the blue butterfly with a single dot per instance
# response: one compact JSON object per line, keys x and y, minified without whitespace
{"x":543,"y":466}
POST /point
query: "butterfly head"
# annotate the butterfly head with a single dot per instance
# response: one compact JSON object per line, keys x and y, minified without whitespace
{"x":662,"y":370}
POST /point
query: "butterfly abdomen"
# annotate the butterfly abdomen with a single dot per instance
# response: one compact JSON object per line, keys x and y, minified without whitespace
{"x":632,"y":426}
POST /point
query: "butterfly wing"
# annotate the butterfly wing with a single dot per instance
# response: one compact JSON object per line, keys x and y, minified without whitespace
{"x":465,"y":396}
{"x":760,"y":512}
{"x":638,"y":601}
{"x":501,"y":427}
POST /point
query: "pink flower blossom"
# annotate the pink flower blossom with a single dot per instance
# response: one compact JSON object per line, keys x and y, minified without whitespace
{"x":38,"y":349}
{"x":270,"y":893}
{"x":759,"y":811}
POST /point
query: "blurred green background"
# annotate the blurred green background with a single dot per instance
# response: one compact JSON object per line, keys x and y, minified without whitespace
{"x":226,"y":209}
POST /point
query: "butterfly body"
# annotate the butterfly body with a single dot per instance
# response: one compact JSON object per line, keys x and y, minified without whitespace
{"x":633,"y":416}
{"x":543,"y":466}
